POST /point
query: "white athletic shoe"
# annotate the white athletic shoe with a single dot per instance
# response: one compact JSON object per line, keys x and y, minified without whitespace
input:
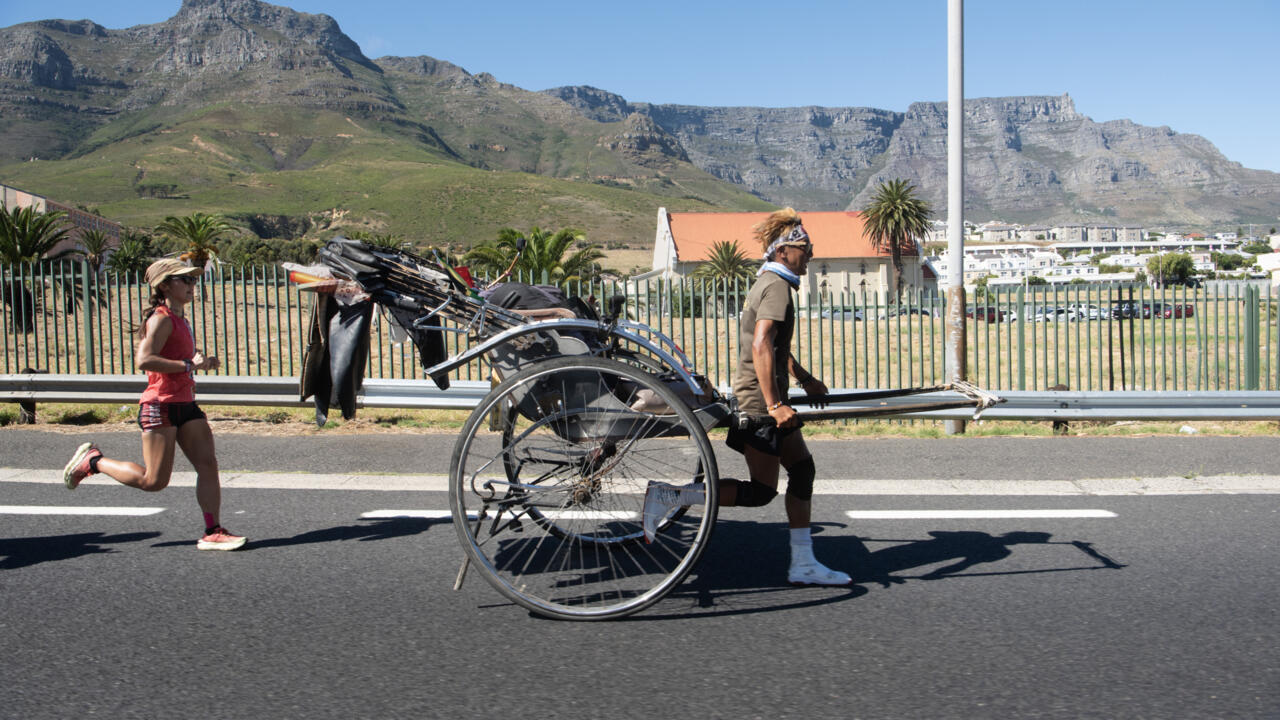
{"x":660,"y":500}
{"x":817,"y":574}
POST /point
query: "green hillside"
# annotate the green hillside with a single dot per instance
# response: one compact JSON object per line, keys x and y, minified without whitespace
{"x":343,"y":172}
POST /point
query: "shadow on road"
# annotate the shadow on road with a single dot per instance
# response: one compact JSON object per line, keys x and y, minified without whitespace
{"x":744,"y":569}
{"x":24,"y":552}
{"x":382,"y":529}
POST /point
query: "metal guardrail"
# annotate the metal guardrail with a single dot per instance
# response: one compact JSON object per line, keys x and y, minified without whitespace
{"x":466,"y":395}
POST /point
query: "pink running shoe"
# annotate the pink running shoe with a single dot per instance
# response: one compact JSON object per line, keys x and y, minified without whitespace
{"x":78,"y":468}
{"x":220,"y":539}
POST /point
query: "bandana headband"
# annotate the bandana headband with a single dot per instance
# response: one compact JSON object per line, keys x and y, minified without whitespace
{"x":796,"y":235}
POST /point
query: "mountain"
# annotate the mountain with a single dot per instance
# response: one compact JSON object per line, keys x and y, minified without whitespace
{"x":278,"y":118}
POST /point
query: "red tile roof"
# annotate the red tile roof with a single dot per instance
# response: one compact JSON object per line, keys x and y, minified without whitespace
{"x":834,"y":234}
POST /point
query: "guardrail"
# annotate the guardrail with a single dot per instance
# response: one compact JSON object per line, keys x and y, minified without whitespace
{"x":1061,"y":406}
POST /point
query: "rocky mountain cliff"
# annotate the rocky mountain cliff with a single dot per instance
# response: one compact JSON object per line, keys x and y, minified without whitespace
{"x":69,"y":89}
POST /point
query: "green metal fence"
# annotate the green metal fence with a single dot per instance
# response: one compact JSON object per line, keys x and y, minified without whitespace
{"x":63,"y":318}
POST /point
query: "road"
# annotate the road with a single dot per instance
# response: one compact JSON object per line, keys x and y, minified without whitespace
{"x":1160,"y":605}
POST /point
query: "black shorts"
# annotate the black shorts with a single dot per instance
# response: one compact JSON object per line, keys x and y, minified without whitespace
{"x":767,"y":439}
{"x":155,"y":415}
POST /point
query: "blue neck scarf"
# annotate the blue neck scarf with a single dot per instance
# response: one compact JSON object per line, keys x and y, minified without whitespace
{"x":781,"y":271}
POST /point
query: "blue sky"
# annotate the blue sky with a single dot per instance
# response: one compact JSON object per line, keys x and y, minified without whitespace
{"x":1199,"y":67}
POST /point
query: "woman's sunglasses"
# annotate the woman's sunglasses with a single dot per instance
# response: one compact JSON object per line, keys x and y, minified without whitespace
{"x":186,"y":279}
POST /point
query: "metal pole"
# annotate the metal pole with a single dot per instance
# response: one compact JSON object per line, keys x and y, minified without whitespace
{"x":955,"y":327}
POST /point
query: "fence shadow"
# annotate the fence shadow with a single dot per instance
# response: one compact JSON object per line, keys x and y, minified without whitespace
{"x":24,"y":552}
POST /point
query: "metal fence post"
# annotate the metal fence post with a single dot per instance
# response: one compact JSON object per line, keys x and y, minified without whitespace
{"x":87,"y":351}
{"x":1252,"y":348}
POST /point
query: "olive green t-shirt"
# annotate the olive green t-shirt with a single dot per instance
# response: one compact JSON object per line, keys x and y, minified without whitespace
{"x":769,"y":299}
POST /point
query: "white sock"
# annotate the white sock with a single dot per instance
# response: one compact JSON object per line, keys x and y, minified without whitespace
{"x":802,"y":547}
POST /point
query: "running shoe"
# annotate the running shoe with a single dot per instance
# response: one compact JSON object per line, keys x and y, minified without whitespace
{"x":78,"y":468}
{"x":817,"y":574}
{"x":220,"y":539}
{"x":660,"y":499}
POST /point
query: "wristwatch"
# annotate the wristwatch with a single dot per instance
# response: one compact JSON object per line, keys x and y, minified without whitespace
{"x":776,"y":405}
{"x":188,"y":365}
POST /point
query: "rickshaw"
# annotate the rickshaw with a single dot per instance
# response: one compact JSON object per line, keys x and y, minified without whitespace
{"x":548,"y":475}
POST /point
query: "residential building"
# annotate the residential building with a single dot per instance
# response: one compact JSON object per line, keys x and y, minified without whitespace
{"x":845,"y":261}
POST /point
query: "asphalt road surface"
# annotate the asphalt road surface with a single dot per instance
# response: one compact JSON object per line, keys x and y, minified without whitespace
{"x":1092,"y":594}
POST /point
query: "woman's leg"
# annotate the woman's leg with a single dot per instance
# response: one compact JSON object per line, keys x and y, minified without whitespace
{"x":157,"y":453}
{"x":196,"y":440}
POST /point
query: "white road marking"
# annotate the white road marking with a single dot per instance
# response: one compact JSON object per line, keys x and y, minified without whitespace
{"x":591,"y":514}
{"x":64,"y":510}
{"x":974,"y":514}
{"x":426,"y":514}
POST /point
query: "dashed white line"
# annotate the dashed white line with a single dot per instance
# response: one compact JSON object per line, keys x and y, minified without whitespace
{"x":974,"y":514}
{"x":67,"y":510}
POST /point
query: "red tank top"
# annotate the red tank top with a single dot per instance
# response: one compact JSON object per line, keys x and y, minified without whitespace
{"x":181,"y":345}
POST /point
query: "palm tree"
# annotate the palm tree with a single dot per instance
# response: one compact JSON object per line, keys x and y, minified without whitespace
{"x":543,"y":255}
{"x":200,"y":232}
{"x":94,"y":245}
{"x":133,"y":254}
{"x":894,"y":219}
{"x":727,"y":262}
{"x":28,"y":236}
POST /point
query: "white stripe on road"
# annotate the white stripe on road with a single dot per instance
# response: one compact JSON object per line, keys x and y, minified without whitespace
{"x":974,"y":514}
{"x":427,"y":514}
{"x":552,"y":514}
{"x":63,"y":510}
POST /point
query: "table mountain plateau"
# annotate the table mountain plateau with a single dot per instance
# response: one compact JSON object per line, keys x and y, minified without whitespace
{"x":239,"y":93}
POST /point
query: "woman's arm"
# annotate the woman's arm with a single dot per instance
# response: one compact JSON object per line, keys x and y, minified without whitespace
{"x":148,"y":357}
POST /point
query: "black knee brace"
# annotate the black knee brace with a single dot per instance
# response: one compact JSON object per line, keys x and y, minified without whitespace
{"x":800,"y":479}
{"x":753,"y":494}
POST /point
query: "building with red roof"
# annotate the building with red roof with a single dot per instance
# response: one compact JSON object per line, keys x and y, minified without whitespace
{"x":845,"y":261}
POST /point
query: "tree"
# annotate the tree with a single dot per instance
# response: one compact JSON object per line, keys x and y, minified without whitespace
{"x":1170,"y":268}
{"x":133,"y":254}
{"x":1257,"y":248}
{"x":199,"y":232}
{"x":94,"y":245}
{"x":28,"y":236}
{"x":894,"y":219}
{"x":727,"y":262}
{"x":543,"y":254}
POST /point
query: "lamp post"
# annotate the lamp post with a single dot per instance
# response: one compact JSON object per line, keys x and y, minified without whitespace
{"x":955,"y":328}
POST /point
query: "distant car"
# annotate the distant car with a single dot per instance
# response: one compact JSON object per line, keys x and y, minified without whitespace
{"x":1083,"y":312}
{"x":896,"y":311}
{"x":1048,"y":314}
{"x":983,"y":312}
{"x":854,"y":314}
{"x":1178,"y":311}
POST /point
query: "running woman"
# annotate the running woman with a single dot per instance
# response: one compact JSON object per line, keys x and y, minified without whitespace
{"x":167,"y":412}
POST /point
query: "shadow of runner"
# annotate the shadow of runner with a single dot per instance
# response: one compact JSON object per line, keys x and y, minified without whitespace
{"x":382,"y":529}
{"x":24,"y":552}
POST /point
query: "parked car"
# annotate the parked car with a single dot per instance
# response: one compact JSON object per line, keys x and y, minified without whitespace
{"x":854,"y":314}
{"x":1083,"y":312}
{"x":895,"y":311}
{"x":986,"y":312}
{"x":1048,"y":314}
{"x":1178,"y":311}
{"x":1124,"y":311}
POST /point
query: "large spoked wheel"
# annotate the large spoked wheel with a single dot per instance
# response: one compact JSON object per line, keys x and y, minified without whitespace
{"x":549,"y":503}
